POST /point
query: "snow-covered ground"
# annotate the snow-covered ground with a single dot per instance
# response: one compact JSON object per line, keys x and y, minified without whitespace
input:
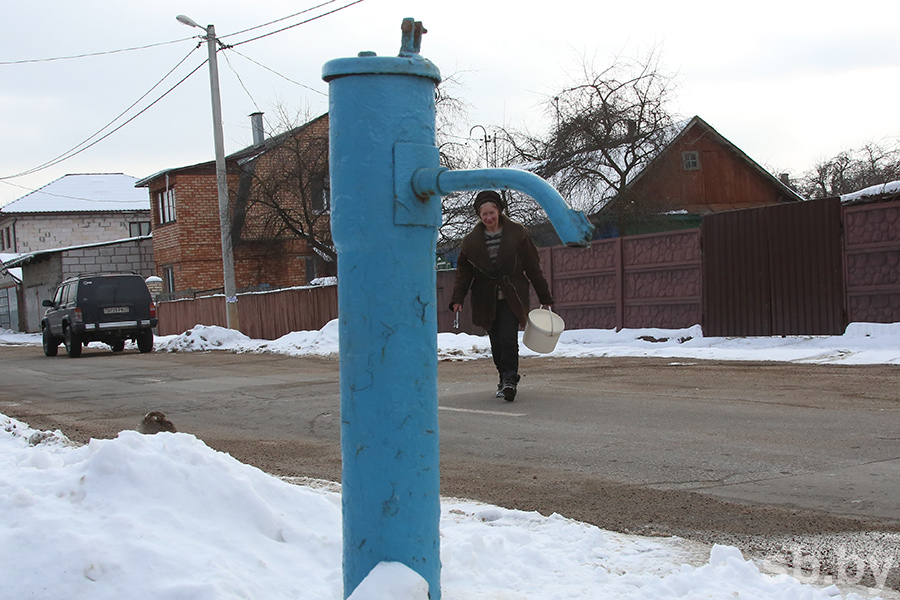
{"x":166,"y":517}
{"x":862,"y":343}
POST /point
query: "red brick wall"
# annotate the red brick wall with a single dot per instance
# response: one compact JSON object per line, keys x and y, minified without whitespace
{"x":192,"y":243}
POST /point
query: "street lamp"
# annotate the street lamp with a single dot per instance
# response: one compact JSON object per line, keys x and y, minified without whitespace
{"x":231,"y":312}
{"x":487,"y":140}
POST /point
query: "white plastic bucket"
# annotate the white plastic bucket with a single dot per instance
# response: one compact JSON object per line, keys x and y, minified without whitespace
{"x":542,"y":330}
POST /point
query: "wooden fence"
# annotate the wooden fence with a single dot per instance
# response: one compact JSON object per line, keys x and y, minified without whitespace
{"x":791,"y":269}
{"x":262,"y":315}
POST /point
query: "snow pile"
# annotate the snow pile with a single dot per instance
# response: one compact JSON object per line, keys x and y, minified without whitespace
{"x":14,"y":338}
{"x":202,"y":338}
{"x":166,"y":517}
{"x":158,"y":516}
{"x":299,"y":343}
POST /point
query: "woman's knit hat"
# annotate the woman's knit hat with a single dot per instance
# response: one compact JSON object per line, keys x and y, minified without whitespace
{"x":489,"y":196}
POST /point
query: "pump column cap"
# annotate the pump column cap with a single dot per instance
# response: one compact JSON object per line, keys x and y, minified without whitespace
{"x":410,"y":62}
{"x":367,"y":63}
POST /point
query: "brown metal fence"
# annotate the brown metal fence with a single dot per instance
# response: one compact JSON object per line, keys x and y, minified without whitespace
{"x":778,"y":270}
{"x":775,"y":270}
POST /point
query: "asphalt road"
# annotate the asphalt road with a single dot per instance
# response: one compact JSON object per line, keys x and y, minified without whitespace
{"x":770,"y":457}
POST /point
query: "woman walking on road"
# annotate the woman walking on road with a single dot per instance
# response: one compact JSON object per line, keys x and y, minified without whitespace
{"x":497,"y":260}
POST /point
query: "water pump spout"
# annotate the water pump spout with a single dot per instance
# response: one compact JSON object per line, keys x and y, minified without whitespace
{"x":571,"y":225}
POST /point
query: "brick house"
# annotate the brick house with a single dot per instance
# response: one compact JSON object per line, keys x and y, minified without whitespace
{"x":278,"y":205}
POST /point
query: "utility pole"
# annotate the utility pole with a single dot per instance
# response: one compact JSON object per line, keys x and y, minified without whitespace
{"x":231,"y":309}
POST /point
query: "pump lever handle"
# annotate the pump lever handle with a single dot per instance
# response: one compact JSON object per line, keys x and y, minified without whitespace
{"x":411,"y":41}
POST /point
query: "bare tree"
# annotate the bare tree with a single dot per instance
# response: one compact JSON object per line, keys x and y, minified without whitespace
{"x":284,"y":195}
{"x":451,"y":117}
{"x":852,"y":170}
{"x":456,"y":150}
{"x":605,"y":127}
{"x":483,"y":147}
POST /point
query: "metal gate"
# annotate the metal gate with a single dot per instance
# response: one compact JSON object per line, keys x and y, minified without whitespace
{"x":775,"y":270}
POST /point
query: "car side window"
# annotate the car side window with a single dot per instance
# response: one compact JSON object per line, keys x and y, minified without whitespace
{"x":57,"y":298}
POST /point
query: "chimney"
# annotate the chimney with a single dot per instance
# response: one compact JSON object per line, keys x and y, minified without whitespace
{"x":785,"y":179}
{"x":256,"y":124}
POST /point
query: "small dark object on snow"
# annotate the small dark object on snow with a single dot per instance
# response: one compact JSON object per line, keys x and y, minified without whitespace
{"x":655,"y":340}
{"x":39,"y":437}
{"x":154,"y":422}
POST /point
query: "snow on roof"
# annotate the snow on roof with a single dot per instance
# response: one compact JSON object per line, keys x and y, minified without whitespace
{"x":83,"y":192}
{"x":891,"y":187}
{"x":15,"y":272}
{"x":23,"y":259}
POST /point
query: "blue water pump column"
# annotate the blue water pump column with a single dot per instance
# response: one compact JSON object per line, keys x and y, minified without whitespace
{"x":382,"y":123}
{"x":386,"y":185}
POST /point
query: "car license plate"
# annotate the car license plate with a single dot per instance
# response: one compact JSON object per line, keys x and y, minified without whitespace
{"x":115,"y":310}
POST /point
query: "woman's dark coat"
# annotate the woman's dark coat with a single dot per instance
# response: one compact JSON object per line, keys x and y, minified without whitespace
{"x":517,"y":264}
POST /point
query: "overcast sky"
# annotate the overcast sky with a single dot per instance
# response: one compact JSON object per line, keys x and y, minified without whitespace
{"x":788,"y":82}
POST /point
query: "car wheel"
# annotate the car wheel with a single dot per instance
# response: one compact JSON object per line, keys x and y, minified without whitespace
{"x":73,"y":343}
{"x":145,"y":341}
{"x":50,"y":343}
{"x":118,"y":345}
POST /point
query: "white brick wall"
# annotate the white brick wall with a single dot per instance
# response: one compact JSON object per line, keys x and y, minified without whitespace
{"x":121,"y":258}
{"x":47,"y":231}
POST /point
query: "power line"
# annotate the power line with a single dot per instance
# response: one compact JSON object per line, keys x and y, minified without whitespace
{"x":241,"y":81}
{"x":325,"y":14}
{"x":89,"y":54}
{"x":259,"y":64}
{"x":78,"y":149}
{"x":84,"y":145}
{"x":297,"y":14}
{"x":157,"y":44}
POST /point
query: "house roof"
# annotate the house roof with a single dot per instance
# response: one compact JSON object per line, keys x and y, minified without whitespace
{"x":681,"y":129}
{"x":14,"y":272}
{"x":23,"y":259}
{"x":83,"y":192}
{"x":669,"y":137}
{"x":241,"y":156}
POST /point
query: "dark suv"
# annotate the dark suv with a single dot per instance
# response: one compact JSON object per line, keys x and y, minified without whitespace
{"x":104,"y":308}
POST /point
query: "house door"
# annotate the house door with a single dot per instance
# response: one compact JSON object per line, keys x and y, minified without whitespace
{"x":775,"y":270}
